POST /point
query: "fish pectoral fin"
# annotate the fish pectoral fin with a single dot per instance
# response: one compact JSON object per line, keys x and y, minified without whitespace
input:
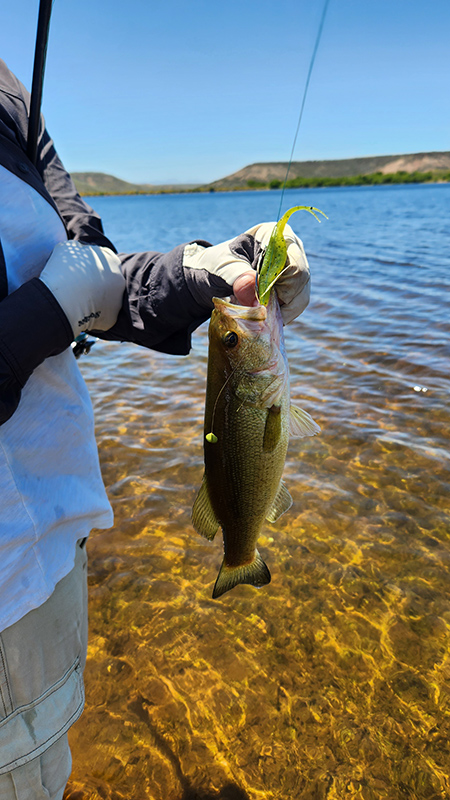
{"x":203,"y":517}
{"x":301,"y":423}
{"x":256,"y":574}
{"x":272,"y":430}
{"x":282,"y":503}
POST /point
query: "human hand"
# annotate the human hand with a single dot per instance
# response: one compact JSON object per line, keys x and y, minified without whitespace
{"x":88,"y":284}
{"x":293,"y":285}
{"x":229,"y":268}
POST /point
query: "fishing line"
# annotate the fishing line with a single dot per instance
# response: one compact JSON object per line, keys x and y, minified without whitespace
{"x":213,"y":438}
{"x":305,"y":92}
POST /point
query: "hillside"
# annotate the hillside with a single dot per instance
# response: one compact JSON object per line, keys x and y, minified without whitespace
{"x":100,"y":183}
{"x":347,"y":167}
{"x":94,"y":183}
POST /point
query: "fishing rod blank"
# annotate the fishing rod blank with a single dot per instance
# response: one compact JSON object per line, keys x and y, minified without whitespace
{"x":40,"y":55}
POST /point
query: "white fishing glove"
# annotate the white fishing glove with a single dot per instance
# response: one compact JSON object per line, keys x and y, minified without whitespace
{"x":293,"y":286}
{"x":218,"y":267}
{"x":88,"y":284}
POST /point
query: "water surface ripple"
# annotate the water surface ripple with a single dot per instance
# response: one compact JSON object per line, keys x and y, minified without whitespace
{"x":333,"y":681}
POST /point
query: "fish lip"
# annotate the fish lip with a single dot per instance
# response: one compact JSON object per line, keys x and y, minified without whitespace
{"x":267,"y":367}
{"x":258,"y":313}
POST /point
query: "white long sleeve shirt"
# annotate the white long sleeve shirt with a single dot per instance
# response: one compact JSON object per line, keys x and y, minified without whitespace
{"x":51,"y":490}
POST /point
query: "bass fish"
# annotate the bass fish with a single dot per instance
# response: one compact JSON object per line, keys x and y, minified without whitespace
{"x":248,"y":419}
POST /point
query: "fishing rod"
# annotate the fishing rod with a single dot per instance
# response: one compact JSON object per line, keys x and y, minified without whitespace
{"x":40,"y":55}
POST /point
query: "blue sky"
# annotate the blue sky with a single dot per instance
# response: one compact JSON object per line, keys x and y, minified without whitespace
{"x":189,"y":92}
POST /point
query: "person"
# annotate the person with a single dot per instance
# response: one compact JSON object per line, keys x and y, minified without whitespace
{"x":60,"y":275}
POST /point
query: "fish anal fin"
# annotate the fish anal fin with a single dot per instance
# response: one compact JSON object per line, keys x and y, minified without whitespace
{"x":301,"y":423}
{"x":282,"y":503}
{"x":203,"y":517}
{"x":256,"y":574}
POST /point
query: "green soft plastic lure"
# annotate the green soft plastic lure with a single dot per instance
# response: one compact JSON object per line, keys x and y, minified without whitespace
{"x":274,"y":260}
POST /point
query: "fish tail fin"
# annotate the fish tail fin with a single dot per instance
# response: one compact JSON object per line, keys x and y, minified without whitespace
{"x":257,"y":574}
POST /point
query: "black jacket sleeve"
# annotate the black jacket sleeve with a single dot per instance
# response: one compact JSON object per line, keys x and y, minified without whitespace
{"x":32,"y":327}
{"x":80,"y":220}
{"x":159,"y":309}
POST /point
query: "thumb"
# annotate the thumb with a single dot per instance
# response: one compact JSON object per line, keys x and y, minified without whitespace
{"x":244,"y":289}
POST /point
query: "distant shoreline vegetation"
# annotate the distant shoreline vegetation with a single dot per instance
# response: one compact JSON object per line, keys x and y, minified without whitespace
{"x":372,"y":179}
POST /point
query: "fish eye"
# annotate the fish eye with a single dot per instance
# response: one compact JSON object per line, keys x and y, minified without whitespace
{"x":230,"y":339}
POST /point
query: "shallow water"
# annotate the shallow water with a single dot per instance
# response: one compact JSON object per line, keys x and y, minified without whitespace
{"x":334,"y":680}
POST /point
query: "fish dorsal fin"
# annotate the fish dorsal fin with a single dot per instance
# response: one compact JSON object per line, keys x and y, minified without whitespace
{"x":301,"y":423}
{"x":282,"y":502}
{"x":256,"y":574}
{"x":203,"y":517}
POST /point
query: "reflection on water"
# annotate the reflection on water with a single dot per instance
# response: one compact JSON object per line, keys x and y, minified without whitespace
{"x":333,"y":681}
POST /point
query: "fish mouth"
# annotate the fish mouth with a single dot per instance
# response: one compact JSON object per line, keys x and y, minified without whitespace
{"x":257,"y":313}
{"x":269,"y":366}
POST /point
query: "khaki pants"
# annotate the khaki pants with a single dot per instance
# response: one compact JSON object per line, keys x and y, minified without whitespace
{"x":42,"y":658}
